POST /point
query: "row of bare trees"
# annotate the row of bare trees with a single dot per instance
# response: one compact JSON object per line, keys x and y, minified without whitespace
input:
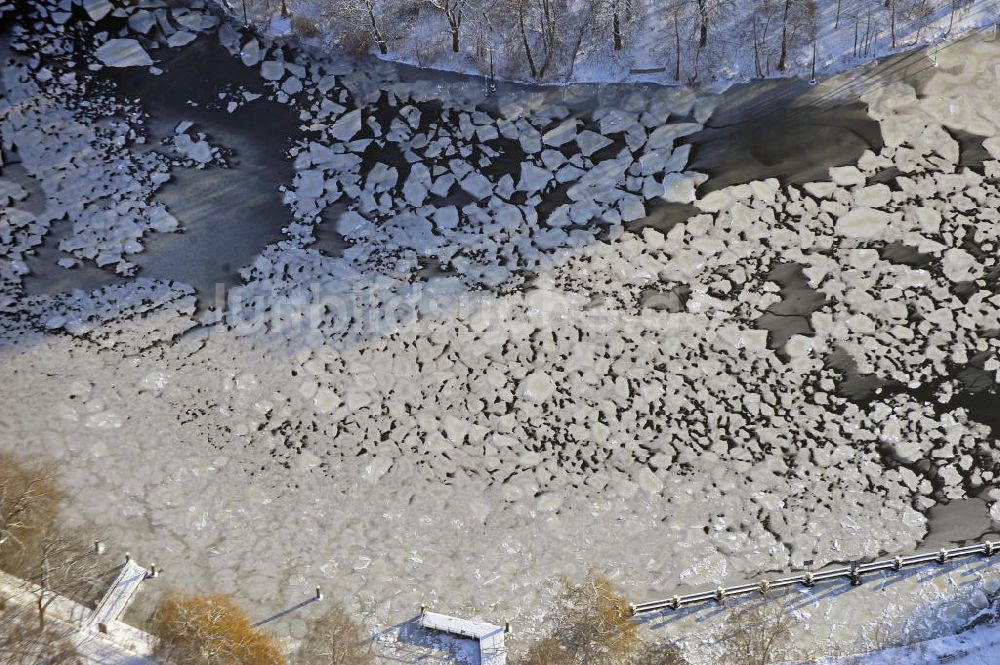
{"x":690,"y":39}
{"x":591,"y":624}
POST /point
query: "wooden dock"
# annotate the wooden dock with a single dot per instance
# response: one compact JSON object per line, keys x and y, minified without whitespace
{"x":492,"y":649}
{"x":118,"y":595}
{"x":855,"y":573}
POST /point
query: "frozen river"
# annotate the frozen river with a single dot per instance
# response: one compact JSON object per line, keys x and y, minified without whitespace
{"x":323,"y":321}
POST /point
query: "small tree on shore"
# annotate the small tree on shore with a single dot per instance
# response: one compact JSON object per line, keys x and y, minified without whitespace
{"x":548,"y":651}
{"x":757,"y":632}
{"x":335,"y":639}
{"x":798,"y":27}
{"x":659,"y":654}
{"x":210,"y":629}
{"x":454,"y":13}
{"x":591,"y":625}
{"x":362,"y":22}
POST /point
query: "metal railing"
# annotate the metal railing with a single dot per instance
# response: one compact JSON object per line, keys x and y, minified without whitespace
{"x":853,"y":573}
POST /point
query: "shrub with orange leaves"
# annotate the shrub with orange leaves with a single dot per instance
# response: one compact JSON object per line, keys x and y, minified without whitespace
{"x":591,"y":624}
{"x":210,"y":629}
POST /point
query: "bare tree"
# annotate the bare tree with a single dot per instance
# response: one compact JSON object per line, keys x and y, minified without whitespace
{"x":892,"y":6}
{"x":871,"y":36}
{"x":703,"y":18}
{"x":913,"y":13}
{"x":955,"y":6}
{"x":336,"y":639}
{"x":761,"y":20}
{"x":59,"y":563}
{"x":548,"y":651}
{"x":484,"y":35}
{"x":29,"y":501}
{"x":51,"y":560}
{"x":22,"y":643}
{"x":868,"y":27}
{"x":882,"y":635}
{"x":706,"y":12}
{"x":798,"y":25}
{"x":784,"y":35}
{"x":622,"y":14}
{"x":361,"y":17}
{"x":537,"y":25}
{"x":581,"y":27}
{"x":757,"y":632}
{"x":675,"y":18}
{"x":552,"y":33}
{"x":856,"y":24}
{"x":454,"y":13}
{"x":680,"y":17}
{"x":661,"y":653}
{"x":209,"y":629}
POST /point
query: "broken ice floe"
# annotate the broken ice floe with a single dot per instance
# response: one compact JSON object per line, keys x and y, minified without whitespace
{"x":100,"y":185}
{"x":123,"y":53}
{"x":129,"y":317}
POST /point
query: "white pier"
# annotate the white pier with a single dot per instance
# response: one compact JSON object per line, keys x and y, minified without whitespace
{"x":118,"y":595}
{"x":492,"y":649}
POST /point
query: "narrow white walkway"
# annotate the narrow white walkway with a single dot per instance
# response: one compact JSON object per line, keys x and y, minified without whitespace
{"x":118,"y":595}
{"x":123,"y":645}
{"x":492,"y":650}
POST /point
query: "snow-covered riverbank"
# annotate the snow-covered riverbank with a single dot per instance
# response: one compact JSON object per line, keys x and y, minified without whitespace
{"x":977,"y":646}
{"x":661,"y":42}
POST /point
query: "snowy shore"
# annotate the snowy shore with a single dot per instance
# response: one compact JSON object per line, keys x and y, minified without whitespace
{"x":742,"y":44}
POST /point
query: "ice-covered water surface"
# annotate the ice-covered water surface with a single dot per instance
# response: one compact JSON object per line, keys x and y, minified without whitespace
{"x":490,"y":382}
